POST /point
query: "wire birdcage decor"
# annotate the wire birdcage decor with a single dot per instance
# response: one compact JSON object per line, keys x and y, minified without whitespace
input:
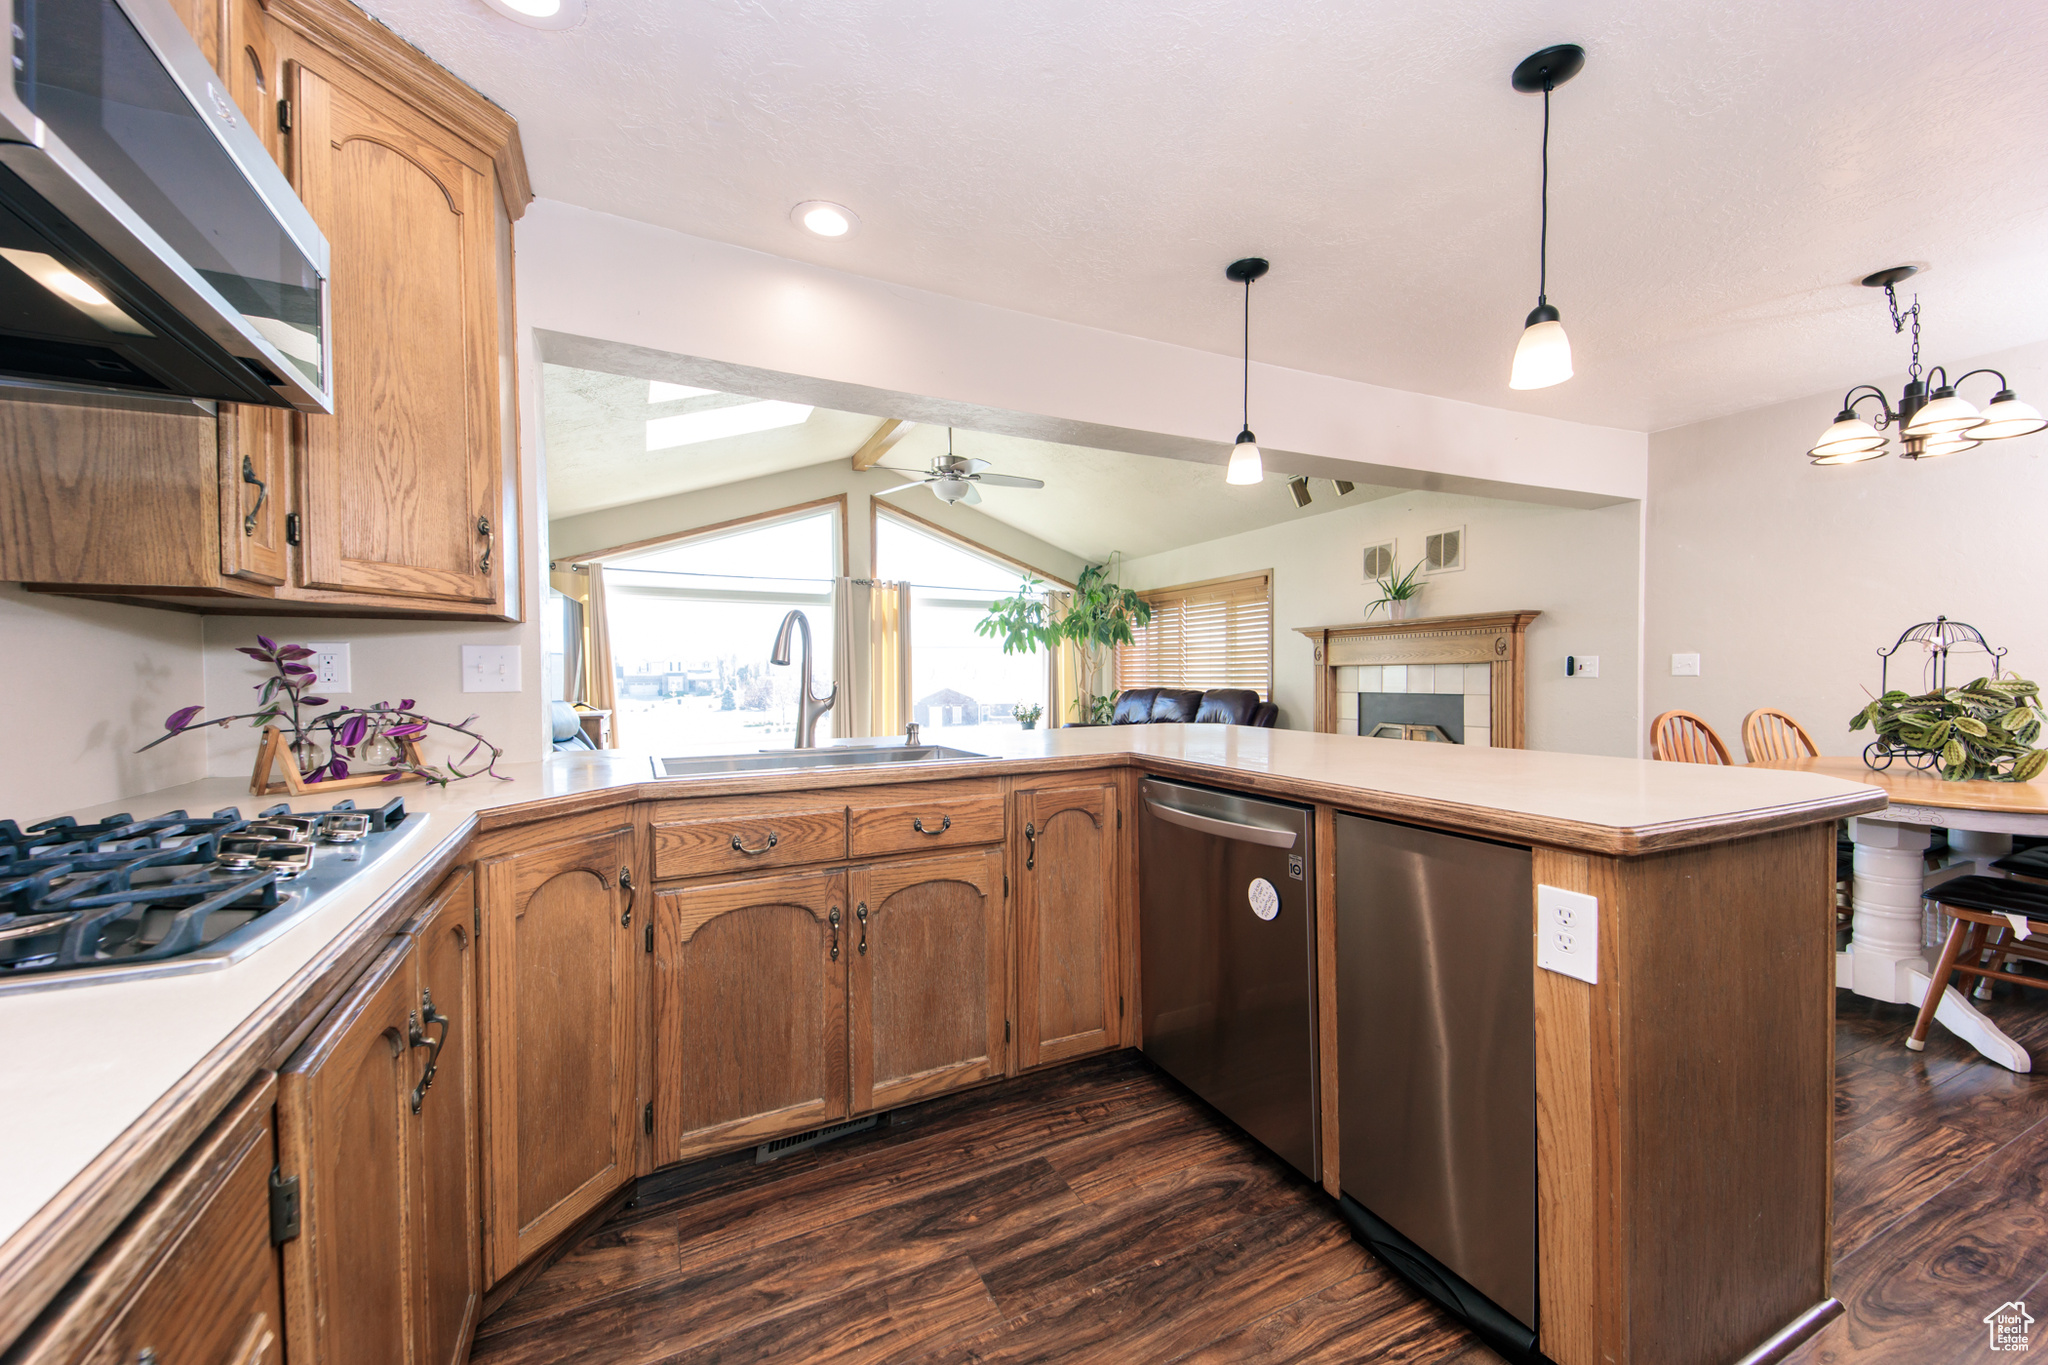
{"x":1937,"y":638}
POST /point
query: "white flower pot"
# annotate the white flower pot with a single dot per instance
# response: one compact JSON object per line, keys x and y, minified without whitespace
{"x":1406,"y":610}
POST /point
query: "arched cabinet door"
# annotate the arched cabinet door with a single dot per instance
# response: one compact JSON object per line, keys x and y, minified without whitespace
{"x":929,"y":968}
{"x":1064,"y":853}
{"x":446,"y":996}
{"x":560,"y":934}
{"x":749,"y":1010}
{"x":401,"y":487}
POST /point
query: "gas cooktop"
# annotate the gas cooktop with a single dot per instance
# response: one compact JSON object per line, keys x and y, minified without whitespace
{"x":121,"y":898}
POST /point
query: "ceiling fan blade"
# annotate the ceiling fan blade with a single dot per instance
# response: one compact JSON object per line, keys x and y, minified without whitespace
{"x":973,"y":495}
{"x":1007,"y":481}
{"x":914,"y":483}
{"x":906,"y":473}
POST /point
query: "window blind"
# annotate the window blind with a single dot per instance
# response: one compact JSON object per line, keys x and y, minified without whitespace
{"x":1202,"y":635}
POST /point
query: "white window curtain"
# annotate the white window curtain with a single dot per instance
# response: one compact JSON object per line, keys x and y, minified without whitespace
{"x":871,"y":657}
{"x":599,"y":684}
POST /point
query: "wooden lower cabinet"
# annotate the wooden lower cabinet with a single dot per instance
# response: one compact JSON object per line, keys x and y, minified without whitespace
{"x":451,"y":1241}
{"x":929,"y":975}
{"x":750,"y":1010}
{"x":1069,"y":997}
{"x":560,"y":947}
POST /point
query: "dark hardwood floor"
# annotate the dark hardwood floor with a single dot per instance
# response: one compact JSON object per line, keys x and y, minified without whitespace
{"x":1098,"y":1213}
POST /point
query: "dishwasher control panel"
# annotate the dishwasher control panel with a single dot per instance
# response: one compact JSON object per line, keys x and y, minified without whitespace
{"x":1568,"y":933}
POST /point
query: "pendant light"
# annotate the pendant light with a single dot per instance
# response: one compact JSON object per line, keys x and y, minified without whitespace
{"x":1245,"y":464}
{"x":1543,"y":357}
{"x":1933,"y":422}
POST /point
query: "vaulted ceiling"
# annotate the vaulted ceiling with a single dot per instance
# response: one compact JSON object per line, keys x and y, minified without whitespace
{"x":1721,"y":173}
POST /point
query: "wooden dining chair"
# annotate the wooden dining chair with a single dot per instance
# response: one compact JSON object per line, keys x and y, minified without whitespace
{"x":1979,"y":907}
{"x":1768,"y":734}
{"x":1682,"y":737}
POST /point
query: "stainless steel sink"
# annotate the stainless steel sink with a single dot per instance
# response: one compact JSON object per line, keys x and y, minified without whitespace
{"x":788,"y":760}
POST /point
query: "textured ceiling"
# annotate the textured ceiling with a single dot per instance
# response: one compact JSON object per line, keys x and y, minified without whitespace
{"x":1095,"y":502}
{"x":1722,"y":172}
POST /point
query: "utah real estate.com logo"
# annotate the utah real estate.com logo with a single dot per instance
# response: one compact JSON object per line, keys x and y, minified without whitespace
{"x":2008,"y":1326}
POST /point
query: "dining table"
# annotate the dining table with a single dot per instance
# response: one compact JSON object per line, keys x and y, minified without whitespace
{"x":1890,"y":941}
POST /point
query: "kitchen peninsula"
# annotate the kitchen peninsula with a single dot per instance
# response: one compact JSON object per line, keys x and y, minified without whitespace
{"x":1683,"y":1097}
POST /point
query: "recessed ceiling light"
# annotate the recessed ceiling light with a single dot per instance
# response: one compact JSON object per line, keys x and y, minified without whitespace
{"x":712,"y":424}
{"x":541,"y":13}
{"x":825,"y":218}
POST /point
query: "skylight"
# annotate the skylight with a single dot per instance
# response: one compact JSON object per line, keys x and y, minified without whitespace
{"x":712,"y":424}
{"x":661,"y":391}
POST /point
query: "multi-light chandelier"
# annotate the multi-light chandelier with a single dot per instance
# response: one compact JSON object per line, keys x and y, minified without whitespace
{"x":1931,"y":422}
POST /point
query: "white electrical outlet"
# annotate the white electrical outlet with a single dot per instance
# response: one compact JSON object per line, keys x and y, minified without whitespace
{"x":1582,"y":666}
{"x":1685,"y":665}
{"x":490,"y":668}
{"x":1568,"y":933}
{"x":330,"y":668}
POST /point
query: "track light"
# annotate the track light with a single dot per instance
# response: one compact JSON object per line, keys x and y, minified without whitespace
{"x":1298,"y":486}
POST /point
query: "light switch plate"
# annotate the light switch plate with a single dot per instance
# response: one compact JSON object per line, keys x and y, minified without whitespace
{"x":1568,"y":933}
{"x":330,"y":668}
{"x":1685,"y":665}
{"x":490,"y":668}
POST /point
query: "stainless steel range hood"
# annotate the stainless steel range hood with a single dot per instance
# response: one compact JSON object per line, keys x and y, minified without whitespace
{"x":148,"y":243}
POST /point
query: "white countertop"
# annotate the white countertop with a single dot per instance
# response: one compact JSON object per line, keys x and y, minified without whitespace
{"x":79,"y":1065}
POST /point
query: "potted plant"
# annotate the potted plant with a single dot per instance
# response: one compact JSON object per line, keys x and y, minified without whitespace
{"x":1398,"y":592}
{"x":1099,"y":615}
{"x":1983,"y":731}
{"x":1027,"y":716}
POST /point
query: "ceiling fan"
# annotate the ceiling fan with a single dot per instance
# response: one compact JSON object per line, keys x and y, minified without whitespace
{"x":953,"y":477}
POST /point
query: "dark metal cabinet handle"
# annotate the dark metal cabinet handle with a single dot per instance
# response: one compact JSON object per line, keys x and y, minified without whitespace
{"x":1030,"y":847}
{"x":739,"y":845}
{"x":420,"y":1039}
{"x":835,"y":933}
{"x":632,"y":894}
{"x":262,"y":495}
{"x":861,"y":914}
{"x":945,"y":823}
{"x":483,"y":528}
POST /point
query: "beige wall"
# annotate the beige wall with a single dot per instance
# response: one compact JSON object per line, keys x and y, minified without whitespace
{"x":1786,"y":578}
{"x":1579,"y":568}
{"x":85,"y":685}
{"x":638,"y":521}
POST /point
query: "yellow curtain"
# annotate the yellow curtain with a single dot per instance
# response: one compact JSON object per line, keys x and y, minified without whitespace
{"x":599,"y":689}
{"x":1063,"y":687}
{"x":889,"y":658}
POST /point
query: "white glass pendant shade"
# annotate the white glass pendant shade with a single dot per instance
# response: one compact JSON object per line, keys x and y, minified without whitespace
{"x":2008,"y":416}
{"x":1943,"y":414}
{"x":951,"y":490}
{"x":1543,"y":357}
{"x":1850,"y":439}
{"x":1937,"y":446}
{"x":1246,"y":466}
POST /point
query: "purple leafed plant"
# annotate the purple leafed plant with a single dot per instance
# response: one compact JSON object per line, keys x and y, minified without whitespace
{"x":285,"y":699}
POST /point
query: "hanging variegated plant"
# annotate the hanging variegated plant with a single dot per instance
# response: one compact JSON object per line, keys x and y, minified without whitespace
{"x":1983,"y":730}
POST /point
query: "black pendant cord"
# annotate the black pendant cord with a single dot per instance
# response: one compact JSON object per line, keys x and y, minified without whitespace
{"x":1247,"y":355}
{"x":1543,"y":232}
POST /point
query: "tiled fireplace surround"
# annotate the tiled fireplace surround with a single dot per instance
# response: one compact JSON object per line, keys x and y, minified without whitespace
{"x":1478,"y":658}
{"x":1474,"y":682}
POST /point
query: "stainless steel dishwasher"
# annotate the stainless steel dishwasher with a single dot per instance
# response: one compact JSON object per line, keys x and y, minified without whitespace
{"x":1228,"y":936}
{"x":1436,"y":1067}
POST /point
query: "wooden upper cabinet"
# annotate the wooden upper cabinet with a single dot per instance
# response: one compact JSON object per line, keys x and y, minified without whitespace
{"x":1068,"y":998}
{"x":345,"y":1130}
{"x":561,"y":940}
{"x":929,"y":973}
{"x":451,"y":1242}
{"x":400,"y":489}
{"x":749,"y":1010}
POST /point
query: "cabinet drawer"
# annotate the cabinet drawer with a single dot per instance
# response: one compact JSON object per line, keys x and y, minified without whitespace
{"x":746,"y":841}
{"x":935,"y":817}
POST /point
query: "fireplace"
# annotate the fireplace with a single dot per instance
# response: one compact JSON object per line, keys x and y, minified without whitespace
{"x":1442,"y":679}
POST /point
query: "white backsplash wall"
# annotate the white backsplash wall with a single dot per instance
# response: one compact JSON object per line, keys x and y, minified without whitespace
{"x":86,"y":684}
{"x":1786,"y":577}
{"x":1581,"y":569}
{"x":389,"y":661}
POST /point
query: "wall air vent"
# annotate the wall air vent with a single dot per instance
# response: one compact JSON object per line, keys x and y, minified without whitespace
{"x":1379,"y":560}
{"x":1443,"y":551}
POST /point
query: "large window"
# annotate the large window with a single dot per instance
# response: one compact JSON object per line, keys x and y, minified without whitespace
{"x":1203,"y":635}
{"x":960,"y":682}
{"x":692,"y":624}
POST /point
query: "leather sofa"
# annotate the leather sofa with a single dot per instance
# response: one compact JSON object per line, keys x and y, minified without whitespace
{"x":1217,"y":706}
